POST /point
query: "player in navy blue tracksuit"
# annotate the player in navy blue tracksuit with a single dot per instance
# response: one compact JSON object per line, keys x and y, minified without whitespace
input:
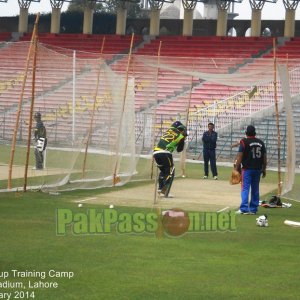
{"x":209,"y":140}
{"x":251,"y":162}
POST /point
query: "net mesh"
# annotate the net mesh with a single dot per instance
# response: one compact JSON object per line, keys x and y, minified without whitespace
{"x":104,"y":113}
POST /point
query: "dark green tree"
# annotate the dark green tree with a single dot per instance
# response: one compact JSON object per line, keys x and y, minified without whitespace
{"x":109,"y":7}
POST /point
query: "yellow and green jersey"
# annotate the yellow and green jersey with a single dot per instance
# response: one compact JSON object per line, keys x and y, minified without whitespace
{"x":169,"y":140}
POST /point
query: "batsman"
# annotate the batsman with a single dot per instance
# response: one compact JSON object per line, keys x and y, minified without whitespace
{"x":172,"y":139}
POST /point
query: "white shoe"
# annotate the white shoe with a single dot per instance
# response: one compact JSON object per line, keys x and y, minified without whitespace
{"x":239,"y":212}
{"x":169,"y":196}
{"x":160,"y":194}
{"x":215,"y":177}
{"x":205,"y":177}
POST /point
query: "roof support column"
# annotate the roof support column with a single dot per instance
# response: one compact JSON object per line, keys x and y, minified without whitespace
{"x":55,"y":16}
{"x":88,"y":17}
{"x":188,"y":19}
{"x":256,"y":22}
{"x":155,"y":6}
{"x":154,"y":21}
{"x":256,"y":6}
{"x":23,"y":17}
{"x":121,"y":17}
{"x":289,"y":25}
{"x":55,"y":20}
{"x":222,"y":17}
{"x":290,"y":12}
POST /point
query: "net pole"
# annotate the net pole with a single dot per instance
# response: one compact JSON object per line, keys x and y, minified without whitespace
{"x":116,"y":179}
{"x":154,"y":117}
{"x":93,"y":111}
{"x":183,"y":153}
{"x":35,"y":42}
{"x":155,"y":196}
{"x":279,"y":183}
{"x":14,"y":139}
{"x":73,"y":96}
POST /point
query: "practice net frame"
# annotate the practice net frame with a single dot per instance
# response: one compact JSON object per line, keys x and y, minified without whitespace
{"x":104,"y":113}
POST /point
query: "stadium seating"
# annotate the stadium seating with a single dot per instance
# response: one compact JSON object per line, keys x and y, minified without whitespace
{"x":173,"y":94}
{"x":222,"y":55}
{"x":5,"y":36}
{"x":205,"y":47}
{"x":290,"y":49}
{"x":113,"y":44}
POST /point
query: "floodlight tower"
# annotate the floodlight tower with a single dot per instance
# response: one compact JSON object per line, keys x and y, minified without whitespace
{"x":156,"y":6}
{"x":290,"y":11}
{"x":223,"y":6}
{"x":122,"y":6}
{"x":257,"y":6}
{"x":23,"y":17}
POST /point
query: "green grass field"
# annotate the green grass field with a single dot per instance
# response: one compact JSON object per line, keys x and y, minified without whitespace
{"x":249,"y":263}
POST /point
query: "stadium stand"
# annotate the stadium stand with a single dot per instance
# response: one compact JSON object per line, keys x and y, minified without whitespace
{"x":173,"y":90}
{"x":5,"y":36}
{"x":288,"y":50}
{"x":206,"y":46}
{"x":266,"y":129}
{"x":114,"y":44}
{"x":214,"y":49}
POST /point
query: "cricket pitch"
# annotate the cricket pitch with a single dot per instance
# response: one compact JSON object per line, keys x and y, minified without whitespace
{"x":189,"y":194}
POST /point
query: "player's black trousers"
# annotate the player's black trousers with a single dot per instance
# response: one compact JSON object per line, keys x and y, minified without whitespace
{"x":165,"y":164}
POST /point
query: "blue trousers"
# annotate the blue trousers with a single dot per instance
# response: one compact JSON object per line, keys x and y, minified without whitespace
{"x":210,"y":156}
{"x":250,"y":180}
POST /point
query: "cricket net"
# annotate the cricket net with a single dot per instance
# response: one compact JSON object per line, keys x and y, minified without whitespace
{"x":104,"y":113}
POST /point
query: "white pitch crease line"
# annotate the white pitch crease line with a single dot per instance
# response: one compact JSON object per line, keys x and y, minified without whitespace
{"x":225,"y":208}
{"x":291,"y":199}
{"x":86,"y":199}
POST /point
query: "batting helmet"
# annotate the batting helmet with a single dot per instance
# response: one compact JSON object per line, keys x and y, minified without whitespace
{"x":37,"y":115}
{"x":176,"y":124}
